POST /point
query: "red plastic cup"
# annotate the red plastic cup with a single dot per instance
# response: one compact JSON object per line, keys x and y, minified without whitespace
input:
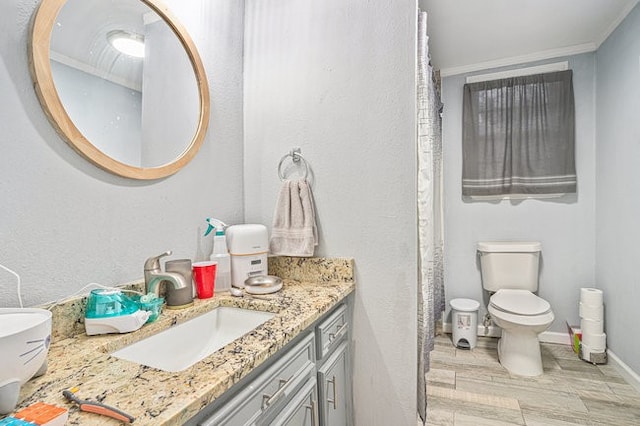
{"x":204,"y":275}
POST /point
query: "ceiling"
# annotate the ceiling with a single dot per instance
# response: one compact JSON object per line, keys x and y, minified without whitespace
{"x":472,"y":35}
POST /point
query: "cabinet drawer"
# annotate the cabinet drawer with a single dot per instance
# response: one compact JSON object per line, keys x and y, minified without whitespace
{"x":302,"y":410}
{"x":330,"y":332}
{"x":271,"y":390}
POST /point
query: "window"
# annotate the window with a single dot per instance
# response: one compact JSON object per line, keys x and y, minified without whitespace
{"x":519,"y":136}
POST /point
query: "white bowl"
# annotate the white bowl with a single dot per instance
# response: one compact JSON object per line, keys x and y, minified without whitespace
{"x":25,"y":334}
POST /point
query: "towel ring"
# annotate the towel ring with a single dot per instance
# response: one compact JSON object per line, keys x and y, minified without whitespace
{"x":295,"y":157}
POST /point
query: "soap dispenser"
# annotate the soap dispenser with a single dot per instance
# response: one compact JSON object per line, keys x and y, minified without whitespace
{"x":220,"y":254}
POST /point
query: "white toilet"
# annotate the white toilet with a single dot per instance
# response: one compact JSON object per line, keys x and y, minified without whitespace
{"x":510,"y":271}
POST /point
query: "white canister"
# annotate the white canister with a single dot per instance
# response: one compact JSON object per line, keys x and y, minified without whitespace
{"x":248,"y":246}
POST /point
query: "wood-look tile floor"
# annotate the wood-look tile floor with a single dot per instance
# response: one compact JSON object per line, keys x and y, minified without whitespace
{"x":470,"y":387}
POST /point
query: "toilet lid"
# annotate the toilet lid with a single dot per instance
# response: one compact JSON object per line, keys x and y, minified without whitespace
{"x":521,"y":302}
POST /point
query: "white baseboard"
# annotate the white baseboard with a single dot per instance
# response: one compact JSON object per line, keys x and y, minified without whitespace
{"x":491,"y":331}
{"x":555,"y":337}
{"x":625,"y":371}
{"x":495,"y":331}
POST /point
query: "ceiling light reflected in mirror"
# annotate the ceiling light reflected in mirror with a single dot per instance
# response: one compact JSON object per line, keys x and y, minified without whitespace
{"x":127,"y":42}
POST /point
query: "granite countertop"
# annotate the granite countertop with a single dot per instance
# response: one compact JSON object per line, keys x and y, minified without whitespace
{"x":312,"y":286}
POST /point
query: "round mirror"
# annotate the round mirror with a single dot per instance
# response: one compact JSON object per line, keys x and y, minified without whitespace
{"x":122,"y":82}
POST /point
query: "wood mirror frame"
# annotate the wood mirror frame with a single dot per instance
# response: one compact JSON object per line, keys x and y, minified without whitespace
{"x":41,"y":73}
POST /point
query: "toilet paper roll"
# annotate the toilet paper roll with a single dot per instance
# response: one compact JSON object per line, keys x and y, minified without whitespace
{"x":592,"y":312}
{"x":591,"y":296}
{"x":590,"y":326}
{"x":597,"y":342}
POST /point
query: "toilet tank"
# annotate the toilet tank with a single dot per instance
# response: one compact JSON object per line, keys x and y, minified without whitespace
{"x":509,"y":264}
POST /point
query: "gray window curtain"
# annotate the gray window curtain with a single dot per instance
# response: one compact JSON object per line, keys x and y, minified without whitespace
{"x":519,"y":136}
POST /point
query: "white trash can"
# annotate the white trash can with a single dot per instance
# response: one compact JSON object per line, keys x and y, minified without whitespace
{"x":464,"y":321}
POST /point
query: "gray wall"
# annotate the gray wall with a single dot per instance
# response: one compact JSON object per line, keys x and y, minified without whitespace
{"x":618,"y":205}
{"x":565,"y":226}
{"x":64,"y":222}
{"x":338,"y":79}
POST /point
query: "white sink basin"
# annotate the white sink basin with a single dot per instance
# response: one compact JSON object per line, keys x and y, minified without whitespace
{"x":181,"y":346}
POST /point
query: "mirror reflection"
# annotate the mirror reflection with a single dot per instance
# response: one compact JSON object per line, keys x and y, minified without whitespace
{"x":140,"y":107}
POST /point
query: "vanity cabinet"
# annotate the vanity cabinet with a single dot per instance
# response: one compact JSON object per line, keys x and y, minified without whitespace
{"x":306,"y":383}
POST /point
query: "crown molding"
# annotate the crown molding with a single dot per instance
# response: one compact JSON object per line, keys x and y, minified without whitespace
{"x":521,"y":59}
{"x":611,"y":28}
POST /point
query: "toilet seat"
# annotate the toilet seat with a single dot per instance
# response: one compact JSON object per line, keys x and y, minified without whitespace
{"x":541,"y":320}
{"x":519,"y":302}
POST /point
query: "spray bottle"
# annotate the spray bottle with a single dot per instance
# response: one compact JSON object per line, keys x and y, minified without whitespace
{"x":220,"y":254}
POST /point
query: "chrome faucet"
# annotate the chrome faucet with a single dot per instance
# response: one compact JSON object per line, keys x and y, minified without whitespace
{"x":153,"y":275}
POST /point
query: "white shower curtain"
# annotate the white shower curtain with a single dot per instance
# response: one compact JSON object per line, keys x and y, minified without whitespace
{"x":431,"y":301}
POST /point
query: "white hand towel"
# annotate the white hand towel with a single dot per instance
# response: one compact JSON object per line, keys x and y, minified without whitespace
{"x":294,"y":231}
